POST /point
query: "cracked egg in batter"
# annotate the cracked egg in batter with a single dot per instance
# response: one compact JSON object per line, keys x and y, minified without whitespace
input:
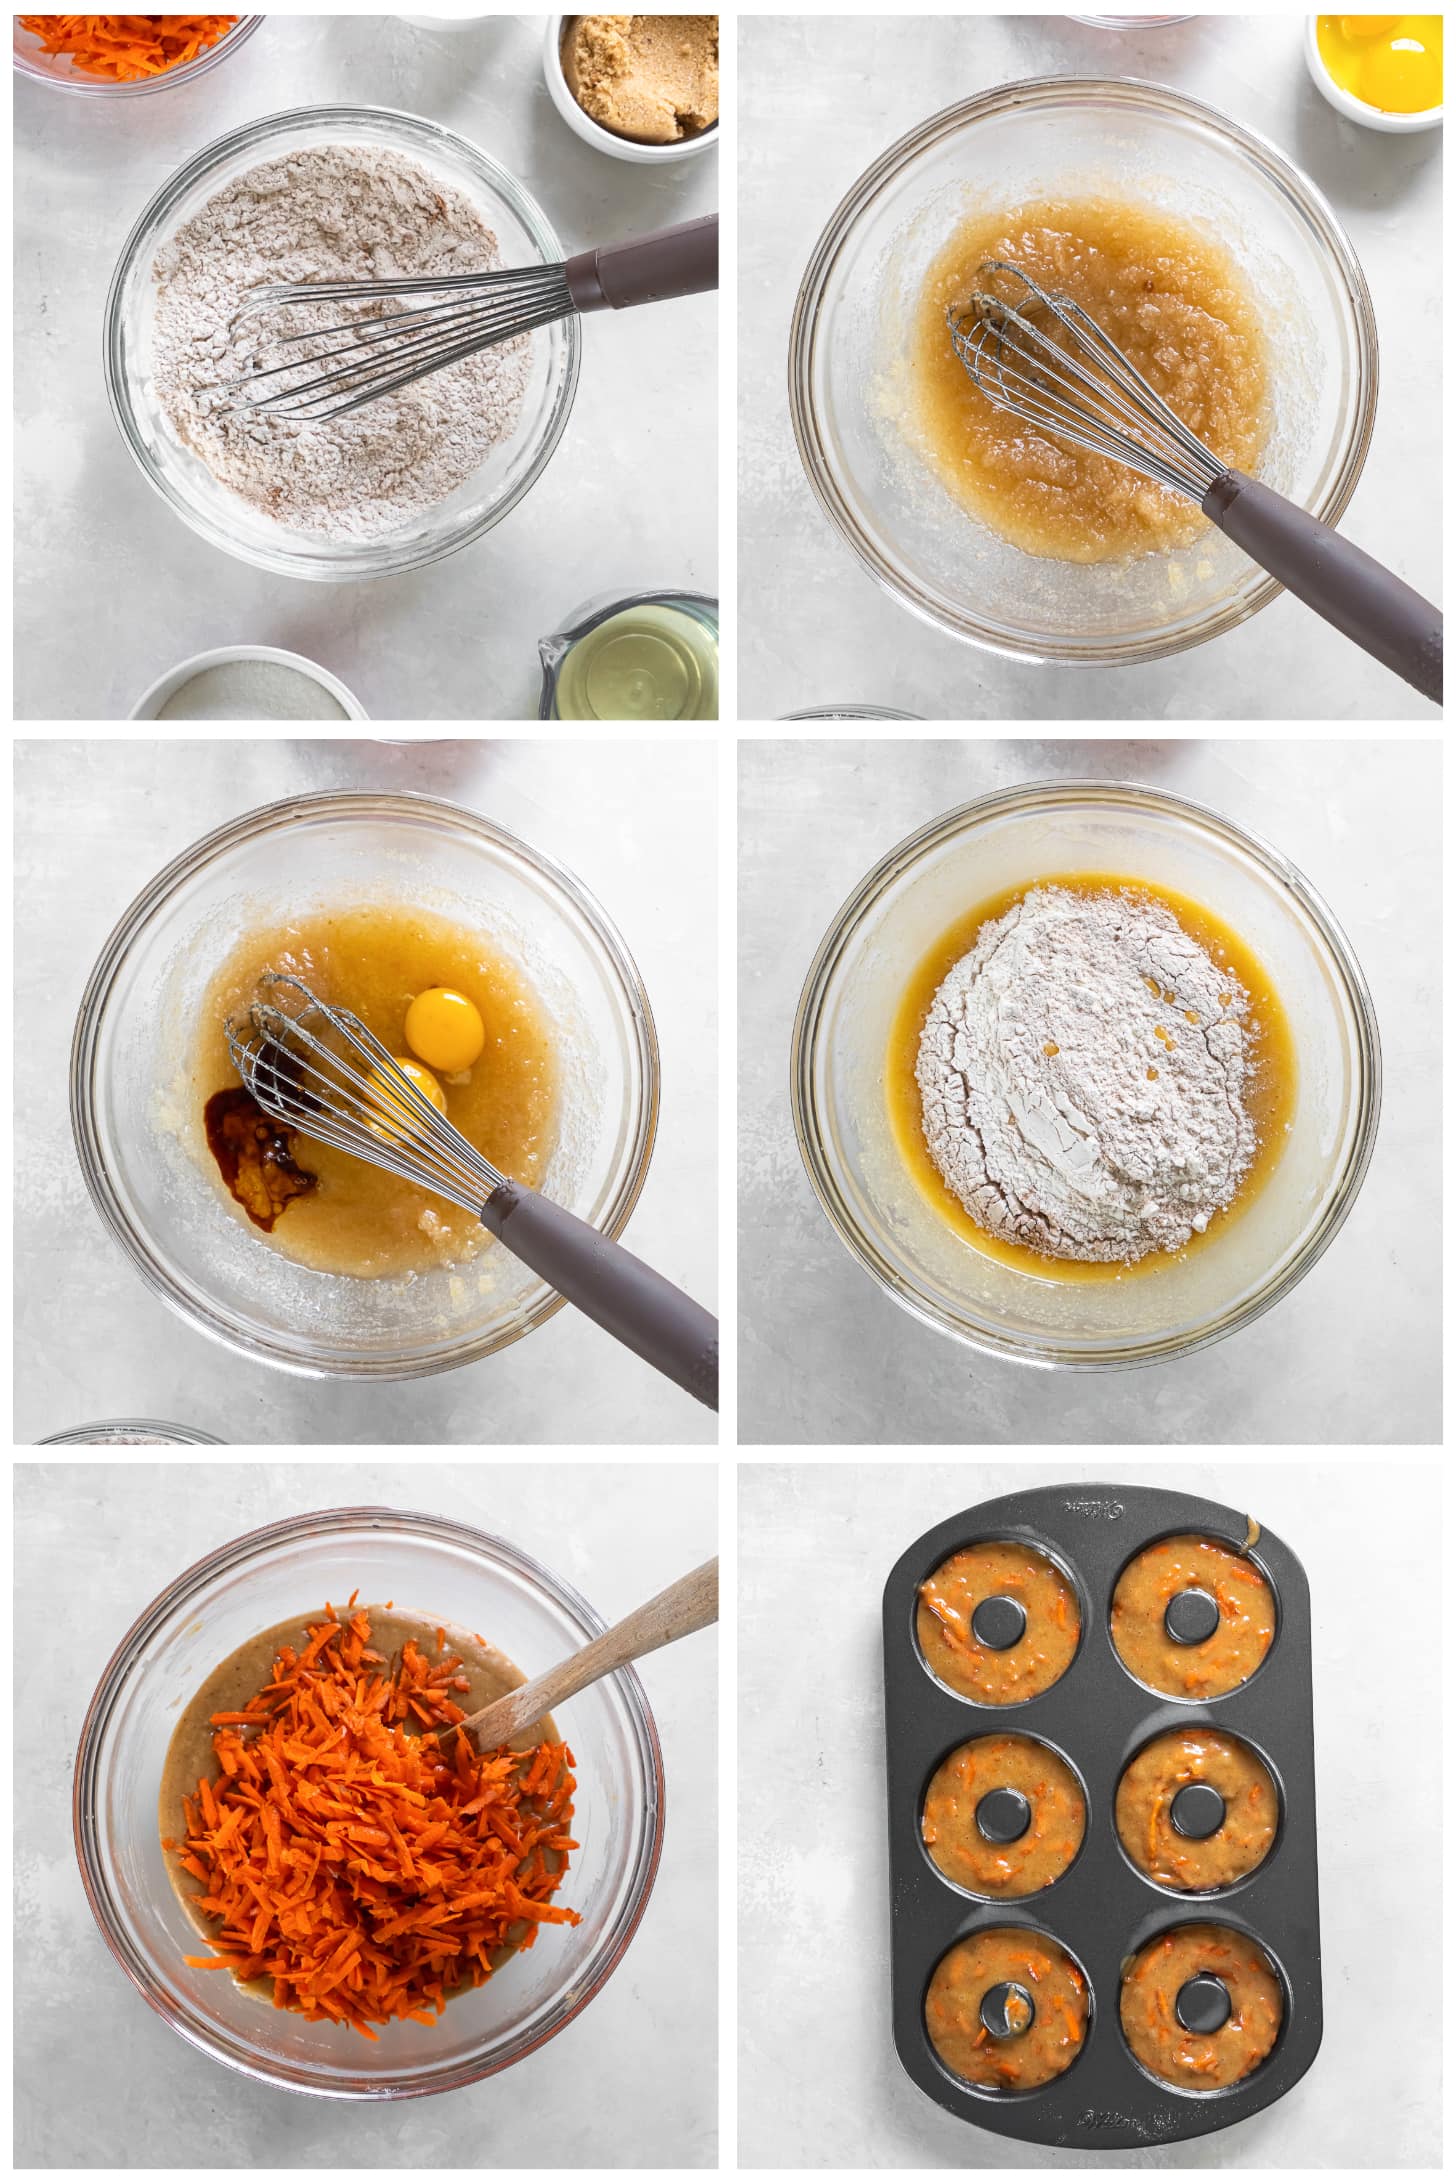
{"x":462,"y":1018}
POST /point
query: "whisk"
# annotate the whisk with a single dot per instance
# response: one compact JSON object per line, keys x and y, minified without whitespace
{"x":473,"y":311}
{"x":320,"y":1071}
{"x":1042,"y":357}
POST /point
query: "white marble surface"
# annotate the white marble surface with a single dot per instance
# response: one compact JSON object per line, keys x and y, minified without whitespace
{"x":819,"y":2082}
{"x":95,"y":821}
{"x":628,"y":502}
{"x":1351,"y":1355}
{"x":632,"y":2083}
{"x":821,"y":97}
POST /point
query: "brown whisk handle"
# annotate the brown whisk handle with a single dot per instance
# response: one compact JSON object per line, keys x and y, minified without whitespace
{"x":1353,"y":592}
{"x":677,"y":261}
{"x":603,"y":1279}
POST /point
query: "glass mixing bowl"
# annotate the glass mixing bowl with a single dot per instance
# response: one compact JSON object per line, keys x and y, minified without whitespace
{"x":137,"y":1120}
{"x":290,"y":1569}
{"x":131,"y":1433}
{"x":184,"y":481}
{"x":1069,"y":138}
{"x":1041,"y":832}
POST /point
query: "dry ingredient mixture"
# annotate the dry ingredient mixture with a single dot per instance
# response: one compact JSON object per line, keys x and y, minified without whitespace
{"x":650,"y":78}
{"x":1082,"y":1074}
{"x":335,"y":212}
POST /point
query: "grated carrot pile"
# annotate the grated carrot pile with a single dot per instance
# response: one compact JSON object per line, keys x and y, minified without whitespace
{"x":367,"y":1871}
{"x":128,"y":48}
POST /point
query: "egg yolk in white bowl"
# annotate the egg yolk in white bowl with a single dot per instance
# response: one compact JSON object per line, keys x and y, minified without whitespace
{"x":1390,"y":62}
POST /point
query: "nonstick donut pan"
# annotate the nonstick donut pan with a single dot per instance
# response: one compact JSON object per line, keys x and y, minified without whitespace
{"x":1102,"y":1909}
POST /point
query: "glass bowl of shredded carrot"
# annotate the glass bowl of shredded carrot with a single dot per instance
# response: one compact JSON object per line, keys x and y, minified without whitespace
{"x":359,"y":2013}
{"x":125,"y":54}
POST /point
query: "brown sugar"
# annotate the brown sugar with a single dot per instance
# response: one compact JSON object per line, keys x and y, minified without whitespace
{"x":1174,"y":301}
{"x":650,"y":78}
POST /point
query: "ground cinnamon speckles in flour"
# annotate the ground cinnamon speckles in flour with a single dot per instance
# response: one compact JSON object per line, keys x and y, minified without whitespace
{"x":1082,"y":1073}
{"x":336,"y":212}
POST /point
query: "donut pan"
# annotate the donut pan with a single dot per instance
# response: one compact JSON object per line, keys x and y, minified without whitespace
{"x":1102,"y":1909}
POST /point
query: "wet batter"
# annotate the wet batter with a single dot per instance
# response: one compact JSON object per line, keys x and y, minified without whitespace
{"x":955,"y":1829}
{"x":998,"y":1675}
{"x":1201,"y":2062}
{"x":1241,"y":1636}
{"x":352,"y":1218}
{"x":1145,"y":1809}
{"x":1045,"y":2039}
{"x":1172,"y":298}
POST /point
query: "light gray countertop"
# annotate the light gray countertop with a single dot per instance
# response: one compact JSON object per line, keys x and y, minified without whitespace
{"x":821,"y":98}
{"x":632,"y":2083}
{"x":819,"y":2082}
{"x":636,"y":822}
{"x":1353,"y":1354}
{"x":628,"y":502}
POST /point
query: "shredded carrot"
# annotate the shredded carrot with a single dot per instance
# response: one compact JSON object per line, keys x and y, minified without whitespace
{"x":356,"y":1852}
{"x":127,"y":48}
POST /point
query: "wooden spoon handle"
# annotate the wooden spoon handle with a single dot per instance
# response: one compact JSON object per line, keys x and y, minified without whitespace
{"x":687,"y":1606}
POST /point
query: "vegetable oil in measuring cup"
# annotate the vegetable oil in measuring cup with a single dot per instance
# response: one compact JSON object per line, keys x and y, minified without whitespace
{"x":653,"y":656}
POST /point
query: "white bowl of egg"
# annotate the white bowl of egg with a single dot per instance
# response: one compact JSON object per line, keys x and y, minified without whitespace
{"x":1382,"y":71}
{"x":483,"y":965}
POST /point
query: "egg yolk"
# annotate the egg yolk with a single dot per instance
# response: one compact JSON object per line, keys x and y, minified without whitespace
{"x":1390,"y":62}
{"x":445,"y":1028}
{"x":391,"y":1101}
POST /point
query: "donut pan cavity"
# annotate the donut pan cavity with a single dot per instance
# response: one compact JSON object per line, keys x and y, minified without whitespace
{"x":1102,"y":1909}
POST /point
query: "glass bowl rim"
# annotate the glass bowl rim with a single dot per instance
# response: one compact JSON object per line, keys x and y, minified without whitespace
{"x":28,"y":65}
{"x":313,"y":559}
{"x":266,"y":819}
{"x":1276,"y":170}
{"x":127,"y":1655}
{"x":1001,"y":803}
{"x":104,"y":1432}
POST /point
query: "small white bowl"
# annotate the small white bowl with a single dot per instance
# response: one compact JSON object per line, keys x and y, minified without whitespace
{"x":592,"y":132}
{"x":149,"y":705}
{"x":1353,"y":109}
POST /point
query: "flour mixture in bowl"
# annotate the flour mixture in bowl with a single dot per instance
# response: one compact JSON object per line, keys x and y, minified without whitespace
{"x":328,"y":212}
{"x":1099,"y":1074}
{"x":1171,"y":297}
{"x":429,"y":989}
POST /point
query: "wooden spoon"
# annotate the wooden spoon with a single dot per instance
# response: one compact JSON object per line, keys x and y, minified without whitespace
{"x":687,"y":1606}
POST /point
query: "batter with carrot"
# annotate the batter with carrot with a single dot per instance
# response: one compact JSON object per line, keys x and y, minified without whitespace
{"x":346,"y":1852}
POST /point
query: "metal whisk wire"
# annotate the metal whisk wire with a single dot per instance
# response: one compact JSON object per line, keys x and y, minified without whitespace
{"x":322,"y":1072}
{"x":474,"y":311}
{"x":1083,"y":389}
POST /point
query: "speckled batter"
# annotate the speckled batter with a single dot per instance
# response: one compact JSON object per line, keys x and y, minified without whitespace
{"x":1196,"y":2061}
{"x":949,"y":1599}
{"x":1245,"y":1629}
{"x":1145,"y":1809}
{"x":1046,"y":2046}
{"x":952,"y":1834}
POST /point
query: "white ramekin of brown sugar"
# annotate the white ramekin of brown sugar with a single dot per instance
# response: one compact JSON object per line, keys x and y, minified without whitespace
{"x":601,"y":139}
